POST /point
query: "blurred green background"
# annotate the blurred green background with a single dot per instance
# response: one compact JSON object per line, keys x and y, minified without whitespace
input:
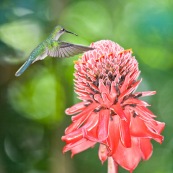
{"x":32,"y":118}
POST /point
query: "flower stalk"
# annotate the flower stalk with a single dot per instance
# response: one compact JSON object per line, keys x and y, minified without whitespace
{"x":112,"y":166}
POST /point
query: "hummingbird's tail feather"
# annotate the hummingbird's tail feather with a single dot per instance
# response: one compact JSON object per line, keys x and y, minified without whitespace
{"x":23,"y":67}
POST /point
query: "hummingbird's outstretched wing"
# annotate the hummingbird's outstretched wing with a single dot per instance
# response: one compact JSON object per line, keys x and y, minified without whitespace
{"x":64,"y":50}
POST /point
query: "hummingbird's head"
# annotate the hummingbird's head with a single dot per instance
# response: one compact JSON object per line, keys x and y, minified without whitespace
{"x":58,"y":31}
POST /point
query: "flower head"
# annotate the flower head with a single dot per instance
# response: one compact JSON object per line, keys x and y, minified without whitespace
{"x":111,"y":112}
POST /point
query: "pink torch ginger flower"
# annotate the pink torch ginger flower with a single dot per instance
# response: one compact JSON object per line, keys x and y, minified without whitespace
{"x":111,"y":112}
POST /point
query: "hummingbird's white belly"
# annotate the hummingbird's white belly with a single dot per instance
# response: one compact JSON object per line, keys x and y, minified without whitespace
{"x":40,"y":57}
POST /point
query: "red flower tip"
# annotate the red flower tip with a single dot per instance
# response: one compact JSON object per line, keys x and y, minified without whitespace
{"x":126,"y":51}
{"x":111,"y":112}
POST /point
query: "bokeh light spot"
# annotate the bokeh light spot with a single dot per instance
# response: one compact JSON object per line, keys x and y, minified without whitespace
{"x":40,"y":98}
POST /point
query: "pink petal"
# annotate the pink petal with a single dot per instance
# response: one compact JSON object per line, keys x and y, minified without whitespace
{"x":106,"y":101}
{"x":114,"y":135}
{"x":76,"y":124}
{"x":90,"y":128}
{"x":125,"y":84}
{"x":146,"y":111}
{"x":146,"y":148}
{"x":144,"y":115}
{"x":113,"y":90}
{"x":125,"y":133}
{"x":113,"y":93}
{"x":139,"y":129}
{"x":135,"y":101}
{"x":86,"y":111}
{"x":79,"y":146}
{"x":76,"y":108}
{"x":119,"y":111}
{"x":103,"y":124}
{"x":94,"y":86}
{"x":102,"y":87}
{"x":87,"y":130}
{"x":98,"y":98}
{"x":71,"y":145}
{"x":85,"y":97}
{"x":73,"y":137}
{"x":145,"y":93}
{"x":81,"y":92}
{"x":129,"y":91}
{"x":128,"y":158}
{"x":157,"y":126}
{"x":88,"y":90}
{"x":134,"y":76}
{"x":82,"y":147}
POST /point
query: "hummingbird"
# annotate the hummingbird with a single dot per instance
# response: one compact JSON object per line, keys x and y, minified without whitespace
{"x":52,"y":47}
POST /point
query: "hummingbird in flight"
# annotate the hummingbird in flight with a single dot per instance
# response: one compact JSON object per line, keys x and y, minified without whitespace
{"x":54,"y":48}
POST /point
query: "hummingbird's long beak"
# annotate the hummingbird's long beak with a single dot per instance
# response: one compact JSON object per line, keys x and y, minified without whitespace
{"x":70,"y":32}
